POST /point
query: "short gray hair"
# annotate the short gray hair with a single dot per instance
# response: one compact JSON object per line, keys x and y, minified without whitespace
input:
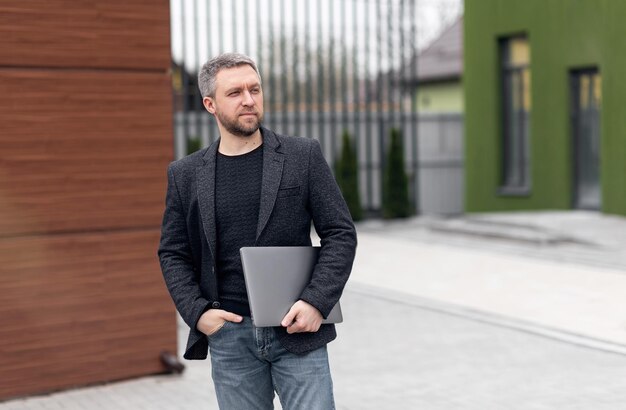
{"x":206,"y":76}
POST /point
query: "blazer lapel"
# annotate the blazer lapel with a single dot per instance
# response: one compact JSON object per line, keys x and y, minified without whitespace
{"x":205,"y":177}
{"x":272,"y":174}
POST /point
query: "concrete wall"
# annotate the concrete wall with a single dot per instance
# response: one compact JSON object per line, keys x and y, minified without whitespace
{"x":563,"y":35}
{"x":86,"y":135}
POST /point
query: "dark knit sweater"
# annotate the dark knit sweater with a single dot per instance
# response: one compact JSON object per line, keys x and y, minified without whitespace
{"x":237,"y":199}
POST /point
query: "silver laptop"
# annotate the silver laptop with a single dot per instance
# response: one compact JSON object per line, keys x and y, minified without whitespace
{"x":275,"y":278}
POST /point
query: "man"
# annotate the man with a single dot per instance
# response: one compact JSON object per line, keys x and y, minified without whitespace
{"x":253,"y":187}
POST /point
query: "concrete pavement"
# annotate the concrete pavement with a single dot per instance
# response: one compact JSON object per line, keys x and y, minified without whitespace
{"x":413,"y":357}
{"x":438,"y":318}
{"x":402,"y":355}
{"x":574,"y":299}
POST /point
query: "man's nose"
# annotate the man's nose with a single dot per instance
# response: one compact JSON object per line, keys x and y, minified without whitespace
{"x":247,"y":98}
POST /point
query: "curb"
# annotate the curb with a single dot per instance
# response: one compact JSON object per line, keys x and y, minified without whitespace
{"x":487,"y":317}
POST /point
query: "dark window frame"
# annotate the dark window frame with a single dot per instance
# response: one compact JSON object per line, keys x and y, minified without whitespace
{"x":574,"y":90}
{"x":515,"y":179}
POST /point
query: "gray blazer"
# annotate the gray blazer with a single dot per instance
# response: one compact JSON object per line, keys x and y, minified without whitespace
{"x":297,"y":188}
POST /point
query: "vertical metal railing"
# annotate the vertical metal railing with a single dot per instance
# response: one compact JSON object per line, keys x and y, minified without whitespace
{"x":413,"y":110}
{"x":327,"y":66}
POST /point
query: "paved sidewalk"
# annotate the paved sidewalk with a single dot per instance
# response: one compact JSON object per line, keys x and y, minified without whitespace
{"x":580,"y":237}
{"x":454,"y":314}
{"x":568,"y":283}
{"x":404,"y":355}
{"x":414,"y":357}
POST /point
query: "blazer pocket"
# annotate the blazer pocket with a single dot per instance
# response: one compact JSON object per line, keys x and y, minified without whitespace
{"x":286,"y":192}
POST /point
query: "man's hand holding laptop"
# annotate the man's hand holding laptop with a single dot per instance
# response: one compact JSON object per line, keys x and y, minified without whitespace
{"x":302,"y":317}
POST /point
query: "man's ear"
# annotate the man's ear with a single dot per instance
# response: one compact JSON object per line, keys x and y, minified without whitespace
{"x":209,"y":104}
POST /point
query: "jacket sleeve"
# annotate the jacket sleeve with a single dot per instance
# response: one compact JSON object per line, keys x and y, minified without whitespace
{"x":176,"y":258}
{"x":333,"y":224}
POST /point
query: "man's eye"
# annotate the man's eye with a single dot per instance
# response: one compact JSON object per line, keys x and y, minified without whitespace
{"x":255,"y":90}
{"x":233,"y":93}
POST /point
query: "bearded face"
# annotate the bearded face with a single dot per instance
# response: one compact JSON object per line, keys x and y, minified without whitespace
{"x":241,"y":124}
{"x":238,"y":101}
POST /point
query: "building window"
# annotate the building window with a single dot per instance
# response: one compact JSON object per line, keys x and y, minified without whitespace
{"x":516,"y":105}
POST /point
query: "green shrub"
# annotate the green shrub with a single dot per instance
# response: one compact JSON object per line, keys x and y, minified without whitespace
{"x":346,"y":174}
{"x":396,"y":202}
{"x":193,"y":144}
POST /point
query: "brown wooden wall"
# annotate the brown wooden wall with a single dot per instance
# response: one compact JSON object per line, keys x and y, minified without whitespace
{"x":85,"y":139}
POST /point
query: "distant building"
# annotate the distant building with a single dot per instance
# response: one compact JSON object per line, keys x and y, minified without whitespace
{"x":439,"y":103}
{"x":440,"y":72}
{"x":545,"y":124}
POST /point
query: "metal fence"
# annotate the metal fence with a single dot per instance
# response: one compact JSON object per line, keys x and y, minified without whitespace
{"x":327,"y":66}
{"x":441,"y":154}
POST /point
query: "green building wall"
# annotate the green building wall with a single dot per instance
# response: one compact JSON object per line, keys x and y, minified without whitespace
{"x":563,"y":35}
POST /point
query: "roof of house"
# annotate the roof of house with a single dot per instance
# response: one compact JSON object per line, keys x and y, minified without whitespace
{"x":443,"y":58}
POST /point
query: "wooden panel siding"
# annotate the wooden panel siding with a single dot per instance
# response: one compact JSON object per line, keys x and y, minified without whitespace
{"x":93,"y":34}
{"x":82,"y":150}
{"x":78,"y":309}
{"x":85,"y":139}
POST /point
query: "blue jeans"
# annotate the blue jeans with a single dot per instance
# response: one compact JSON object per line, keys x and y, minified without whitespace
{"x":249,"y":364}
